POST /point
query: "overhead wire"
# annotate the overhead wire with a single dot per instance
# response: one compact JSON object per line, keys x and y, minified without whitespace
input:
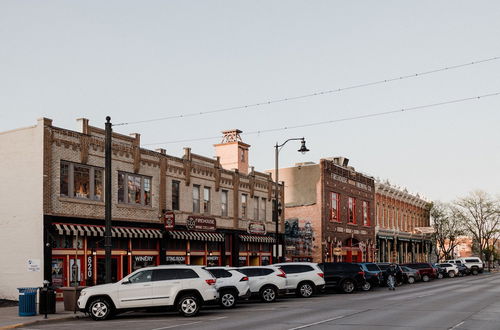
{"x":325,"y":122}
{"x":313,"y":94}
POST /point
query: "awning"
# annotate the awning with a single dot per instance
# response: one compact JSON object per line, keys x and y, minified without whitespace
{"x":257,"y":239}
{"x":89,"y":230}
{"x":403,"y":239}
{"x":196,"y":236}
{"x":385,"y":237}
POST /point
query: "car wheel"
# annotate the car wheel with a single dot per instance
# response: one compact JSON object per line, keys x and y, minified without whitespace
{"x":474,"y":271}
{"x":440,"y":275}
{"x":268,"y":294}
{"x":366,"y":286}
{"x":425,"y":278}
{"x":348,"y":286}
{"x":188,"y":305}
{"x":451,"y":274}
{"x":305,"y":290}
{"x":100,"y":309}
{"x":227,"y":299}
{"x":411,"y":279}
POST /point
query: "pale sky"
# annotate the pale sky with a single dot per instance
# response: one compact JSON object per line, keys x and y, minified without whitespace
{"x":136,"y":60}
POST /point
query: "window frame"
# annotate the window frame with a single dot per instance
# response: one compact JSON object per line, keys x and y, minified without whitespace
{"x":244,"y":206}
{"x":337,"y":207}
{"x":365,"y":209}
{"x":224,"y":203}
{"x":256,"y":207}
{"x":196,"y":201}
{"x":176,"y":191}
{"x":126,"y":196}
{"x":71,"y":181}
{"x":351,"y":209}
{"x":262,"y":209}
{"x":206,"y":202}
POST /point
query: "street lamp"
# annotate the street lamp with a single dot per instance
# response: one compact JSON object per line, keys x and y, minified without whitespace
{"x":303,"y":149}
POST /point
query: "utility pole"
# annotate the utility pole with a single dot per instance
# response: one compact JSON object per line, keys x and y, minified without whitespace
{"x":107,"y":199}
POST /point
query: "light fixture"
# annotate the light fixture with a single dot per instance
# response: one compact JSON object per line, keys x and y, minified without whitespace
{"x":94,"y":251}
{"x":188,"y":253}
{"x":210,"y":253}
{"x":303,"y":149}
{"x":129,"y":253}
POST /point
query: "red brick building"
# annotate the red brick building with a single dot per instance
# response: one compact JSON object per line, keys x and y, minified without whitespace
{"x":329,"y":212}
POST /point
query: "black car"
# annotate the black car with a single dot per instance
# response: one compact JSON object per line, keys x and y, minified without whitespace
{"x":373,"y":275}
{"x":400,"y":277}
{"x":440,"y":271}
{"x":343,"y":276}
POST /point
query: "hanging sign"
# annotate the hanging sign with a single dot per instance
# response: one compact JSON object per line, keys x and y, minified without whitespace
{"x":200,"y":223}
{"x":169,"y":220}
{"x":256,"y":228}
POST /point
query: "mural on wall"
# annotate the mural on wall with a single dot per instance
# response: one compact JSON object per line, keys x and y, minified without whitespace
{"x":299,"y":239}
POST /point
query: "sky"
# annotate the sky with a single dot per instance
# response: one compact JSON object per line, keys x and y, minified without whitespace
{"x":142,"y":60}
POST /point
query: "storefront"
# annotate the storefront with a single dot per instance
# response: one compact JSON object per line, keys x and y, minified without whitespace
{"x":255,"y":250}
{"x":195,"y":248}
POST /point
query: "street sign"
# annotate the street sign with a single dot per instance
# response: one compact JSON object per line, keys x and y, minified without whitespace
{"x":169,"y":220}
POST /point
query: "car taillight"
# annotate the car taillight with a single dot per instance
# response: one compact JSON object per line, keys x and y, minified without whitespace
{"x":361,"y":273}
{"x":282,"y":274}
{"x":321,"y":275}
{"x":211,"y":281}
{"x":243,"y":279}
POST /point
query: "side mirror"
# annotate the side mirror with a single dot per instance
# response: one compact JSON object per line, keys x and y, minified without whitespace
{"x":126,"y":282}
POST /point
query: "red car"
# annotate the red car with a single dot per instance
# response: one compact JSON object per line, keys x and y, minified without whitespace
{"x":425,"y":269}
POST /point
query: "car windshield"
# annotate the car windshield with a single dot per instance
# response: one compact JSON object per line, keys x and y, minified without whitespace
{"x":372,"y":267}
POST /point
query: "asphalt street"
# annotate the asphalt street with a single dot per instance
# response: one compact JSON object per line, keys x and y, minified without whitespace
{"x":471,"y":302}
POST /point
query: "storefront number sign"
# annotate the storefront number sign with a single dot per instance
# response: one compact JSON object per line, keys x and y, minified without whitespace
{"x":201,"y":223}
{"x":90,"y":270}
{"x":169,"y":220}
{"x":256,"y":228}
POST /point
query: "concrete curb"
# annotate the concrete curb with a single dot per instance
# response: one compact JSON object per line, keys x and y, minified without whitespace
{"x":48,"y":320}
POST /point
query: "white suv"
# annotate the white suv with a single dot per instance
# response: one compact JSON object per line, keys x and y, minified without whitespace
{"x":303,"y":278}
{"x":266,"y":282}
{"x":451,"y":269}
{"x":231,"y":285}
{"x":183,"y":287}
{"x":474,"y":264}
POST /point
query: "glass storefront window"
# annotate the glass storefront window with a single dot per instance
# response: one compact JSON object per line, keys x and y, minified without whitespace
{"x":144,"y":244}
{"x":176,"y":245}
{"x":142,"y":261}
{"x":197,"y":246}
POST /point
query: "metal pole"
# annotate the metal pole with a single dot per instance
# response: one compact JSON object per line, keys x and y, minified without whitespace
{"x":107,"y":200}
{"x":76,"y":272}
{"x":276,"y":196}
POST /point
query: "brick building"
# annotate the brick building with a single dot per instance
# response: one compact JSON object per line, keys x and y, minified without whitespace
{"x":403,"y":225}
{"x":329,"y":212}
{"x":52,"y":213}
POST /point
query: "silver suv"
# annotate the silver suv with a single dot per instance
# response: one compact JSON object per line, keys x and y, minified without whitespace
{"x":182,"y":287}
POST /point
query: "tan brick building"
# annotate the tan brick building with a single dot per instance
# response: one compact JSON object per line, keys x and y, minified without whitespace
{"x":222,"y":206}
{"x":403,"y":225}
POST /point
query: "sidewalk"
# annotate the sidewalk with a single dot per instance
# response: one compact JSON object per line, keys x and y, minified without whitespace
{"x":10,"y":319}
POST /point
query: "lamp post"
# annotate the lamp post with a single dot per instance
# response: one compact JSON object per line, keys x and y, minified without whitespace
{"x":303,"y":149}
{"x":107,"y":200}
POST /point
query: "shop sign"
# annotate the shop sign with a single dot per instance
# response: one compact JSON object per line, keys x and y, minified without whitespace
{"x":337,"y":251}
{"x":169,"y":220}
{"x":201,"y":223}
{"x":177,"y":259}
{"x":33,"y":265}
{"x":290,"y":248}
{"x":256,"y":228}
{"x":90,"y":266}
{"x":213,"y":258}
{"x":242,"y":258}
{"x":143,"y":258}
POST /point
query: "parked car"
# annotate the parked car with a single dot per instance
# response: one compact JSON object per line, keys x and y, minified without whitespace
{"x":373,"y":275}
{"x":451,"y":270}
{"x":343,"y":276}
{"x":303,"y":278}
{"x":425,"y":269}
{"x":410,"y":275}
{"x":231,"y":285}
{"x":473,"y":264}
{"x":266,"y":282}
{"x":183,"y":287}
{"x":440,"y":271}
{"x":399,"y":275}
{"x":463,"y":270}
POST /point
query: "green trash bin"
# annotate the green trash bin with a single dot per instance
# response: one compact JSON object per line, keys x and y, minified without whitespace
{"x":27,"y":301}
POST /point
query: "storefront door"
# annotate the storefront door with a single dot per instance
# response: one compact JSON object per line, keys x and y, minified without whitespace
{"x":76,"y":271}
{"x":101,"y":269}
{"x":58,"y":272}
{"x":254,"y":261}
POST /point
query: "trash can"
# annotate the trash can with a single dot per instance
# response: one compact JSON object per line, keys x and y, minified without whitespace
{"x":47,"y":303}
{"x":27,"y":301}
{"x":70,"y":296}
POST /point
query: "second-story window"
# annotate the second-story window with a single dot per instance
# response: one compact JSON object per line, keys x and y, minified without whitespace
{"x":244,"y":201}
{"x":256,"y":208}
{"x":134,"y":189}
{"x":223,"y":202}
{"x":175,"y":195}
{"x":81,"y":181}
{"x":334,"y":207}
{"x":196,"y":199}
{"x":263,"y":209}
{"x":206,"y":200}
{"x":366,"y":213}
{"x":352,"y":210}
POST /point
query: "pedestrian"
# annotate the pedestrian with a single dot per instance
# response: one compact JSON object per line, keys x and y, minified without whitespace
{"x":391,"y":273}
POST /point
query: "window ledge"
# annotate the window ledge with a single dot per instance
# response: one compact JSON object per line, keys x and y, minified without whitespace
{"x":132,"y":206}
{"x":352,"y":224}
{"x":80,"y":201}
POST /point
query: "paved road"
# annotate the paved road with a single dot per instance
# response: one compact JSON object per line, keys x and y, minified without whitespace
{"x":471,"y":302}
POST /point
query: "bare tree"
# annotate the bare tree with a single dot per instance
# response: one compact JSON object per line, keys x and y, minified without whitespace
{"x":447,"y":229}
{"x":480,"y":214}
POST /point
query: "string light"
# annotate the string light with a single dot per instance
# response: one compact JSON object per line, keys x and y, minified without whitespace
{"x":313,"y":94}
{"x":371,"y":115}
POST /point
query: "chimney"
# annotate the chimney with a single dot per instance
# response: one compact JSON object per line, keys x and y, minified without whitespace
{"x":232,"y":151}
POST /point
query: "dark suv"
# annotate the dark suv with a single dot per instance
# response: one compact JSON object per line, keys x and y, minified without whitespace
{"x":343,"y":276}
{"x":373,"y":275}
{"x":425,"y":269}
